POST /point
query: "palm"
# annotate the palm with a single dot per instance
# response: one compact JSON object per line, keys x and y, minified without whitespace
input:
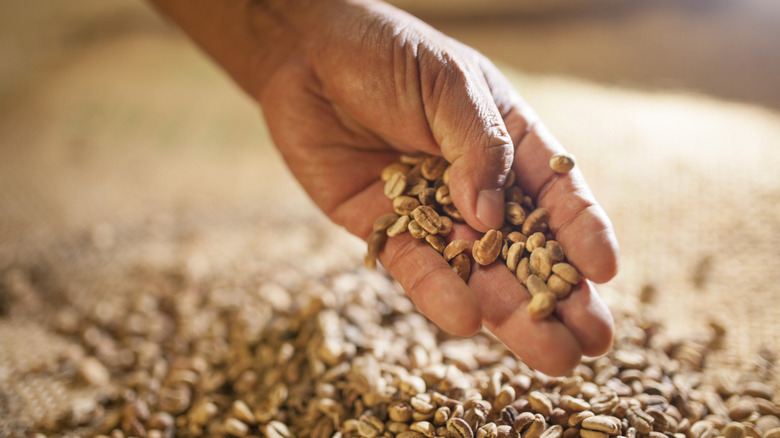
{"x":337,"y":126}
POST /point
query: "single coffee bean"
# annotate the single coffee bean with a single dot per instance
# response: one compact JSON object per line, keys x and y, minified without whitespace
{"x":555,"y":431}
{"x":540,"y":403}
{"x":459,"y":428}
{"x":535,"y":240}
{"x":560,"y":287}
{"x":427,"y":196}
{"x":540,"y":263}
{"x":400,"y":226}
{"x":433,"y":167}
{"x":415,"y":185}
{"x":567,"y":272}
{"x":523,"y":271}
{"x":392,"y":168}
{"x":514,"y":253}
{"x":451,"y":211}
{"x":536,"y":285}
{"x":446,"y":226}
{"x":395,"y":185}
{"x":487,"y":249}
{"x":427,"y":218}
{"x":461,"y":264}
{"x":400,"y":411}
{"x":515,"y":213}
{"x":602,"y":423}
{"x":413,"y":159}
{"x":516,"y":236}
{"x":454,"y":248}
{"x":437,"y":242}
{"x":443,"y":195}
{"x":536,"y":221}
{"x":383,"y":222}
{"x":370,"y":426}
{"x":562,"y":163}
{"x":555,"y":250}
{"x":542,"y":305}
{"x":416,"y":230}
{"x":404,"y":205}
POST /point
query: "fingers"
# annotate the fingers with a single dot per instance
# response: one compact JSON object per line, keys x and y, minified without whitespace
{"x":588,"y":318}
{"x":578,"y":221}
{"x":546,"y":345}
{"x":469,"y":128}
{"x":432,"y":285}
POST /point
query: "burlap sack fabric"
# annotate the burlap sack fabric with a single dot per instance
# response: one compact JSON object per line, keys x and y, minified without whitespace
{"x":132,"y":158}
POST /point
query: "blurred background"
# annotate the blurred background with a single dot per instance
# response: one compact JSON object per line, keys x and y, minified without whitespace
{"x":122,"y":147}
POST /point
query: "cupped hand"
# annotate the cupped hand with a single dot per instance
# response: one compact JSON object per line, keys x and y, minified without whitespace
{"x":378,"y":83}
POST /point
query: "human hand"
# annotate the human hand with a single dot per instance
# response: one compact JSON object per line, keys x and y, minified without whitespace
{"x":379,"y":83}
{"x":346,"y":86}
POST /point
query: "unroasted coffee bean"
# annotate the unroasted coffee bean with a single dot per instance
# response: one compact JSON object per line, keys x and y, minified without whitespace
{"x":555,"y":431}
{"x":487,"y":249}
{"x":587,"y":433}
{"x":515,"y":213}
{"x":523,"y":271}
{"x":536,"y":221}
{"x":640,"y":420}
{"x":573,"y":404}
{"x":459,"y":428}
{"x":540,"y":403}
{"x":562,"y":163}
{"x":602,"y":423}
{"x":400,"y":411}
{"x":416,"y":230}
{"x":446,"y":226}
{"x":436,"y":241}
{"x":415,"y":185}
{"x":395,"y":185}
{"x":542,"y":305}
{"x":536,"y":428}
{"x":516,"y":236}
{"x":236,"y":427}
{"x":432,"y":168}
{"x":392,"y":168}
{"x":535,"y":240}
{"x":383,"y":222}
{"x":540,"y":263}
{"x":555,"y":250}
{"x":443,"y":195}
{"x":513,"y":255}
{"x":400,"y":226}
{"x":376,"y":241}
{"x":461,"y":264}
{"x":560,"y":287}
{"x":427,"y":218}
{"x":403,"y":205}
{"x":522,"y":421}
{"x":567,"y":272}
{"x":370,"y":426}
{"x":536,"y":285}
{"x":452,"y":211}
{"x":427,"y":197}
{"x":454,"y":248}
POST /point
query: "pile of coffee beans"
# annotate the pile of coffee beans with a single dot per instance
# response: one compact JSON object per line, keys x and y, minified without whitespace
{"x":419,"y":186}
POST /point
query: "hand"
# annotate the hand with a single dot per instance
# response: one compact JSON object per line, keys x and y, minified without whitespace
{"x":379,"y":83}
{"x":346,"y":86}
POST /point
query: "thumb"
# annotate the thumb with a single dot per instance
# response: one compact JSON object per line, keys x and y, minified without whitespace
{"x":471,"y":133}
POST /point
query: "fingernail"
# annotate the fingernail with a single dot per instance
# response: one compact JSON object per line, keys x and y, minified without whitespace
{"x":490,"y":208}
